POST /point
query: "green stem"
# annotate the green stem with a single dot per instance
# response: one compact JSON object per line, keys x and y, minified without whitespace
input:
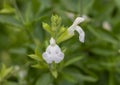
{"x":30,"y":35}
{"x":111,"y":78}
{"x":1,"y":83}
{"x":18,"y":11}
{"x":53,"y":69}
{"x":26,"y":27}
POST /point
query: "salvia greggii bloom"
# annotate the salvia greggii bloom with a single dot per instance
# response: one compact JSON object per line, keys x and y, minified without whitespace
{"x":76,"y":27}
{"x":53,"y":53}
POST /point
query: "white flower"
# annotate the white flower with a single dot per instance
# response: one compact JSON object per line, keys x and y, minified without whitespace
{"x":75,"y":27}
{"x":16,"y":68}
{"x":22,"y":74}
{"x":106,"y":25}
{"x":53,"y":53}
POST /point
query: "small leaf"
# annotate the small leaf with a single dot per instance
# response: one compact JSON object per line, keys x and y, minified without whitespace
{"x":69,"y":77}
{"x":35,"y":57}
{"x":47,"y":28}
{"x":56,"y":22}
{"x":103,"y":51}
{"x":61,"y":30}
{"x":117,"y":3}
{"x":44,"y":79}
{"x":8,"y":19}
{"x":5,"y":71}
{"x":88,"y":78}
{"x":10,"y":83}
{"x":37,"y":53}
{"x":7,"y":9}
{"x":102,"y":35}
{"x":40,"y":66}
{"x":54,"y":73}
{"x":73,"y":60}
{"x":78,"y":76}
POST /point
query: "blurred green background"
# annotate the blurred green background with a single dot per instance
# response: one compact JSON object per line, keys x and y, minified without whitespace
{"x":96,"y":62}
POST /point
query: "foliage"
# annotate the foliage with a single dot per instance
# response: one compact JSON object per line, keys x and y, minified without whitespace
{"x":25,"y":30}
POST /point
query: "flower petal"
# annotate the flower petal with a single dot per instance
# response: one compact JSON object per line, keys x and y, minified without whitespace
{"x":47,"y":58}
{"x":52,"y":41}
{"x":71,"y":30}
{"x":59,"y":57}
{"x":78,"y":20}
{"x":81,"y":33}
{"x":53,"y":53}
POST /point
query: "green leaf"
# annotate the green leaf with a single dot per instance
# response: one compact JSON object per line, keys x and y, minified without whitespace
{"x":61,"y":30}
{"x":35,"y":57}
{"x":47,"y":28}
{"x":37,"y":53}
{"x":69,"y":77}
{"x":88,"y":78}
{"x":40,"y":66}
{"x":28,"y":12}
{"x":5,"y":72}
{"x":7,"y":8}
{"x":118,"y":3}
{"x":7,"y":19}
{"x":56,"y":22}
{"x":6,"y":11}
{"x":73,"y":60}
{"x":105,"y":10}
{"x":44,"y":79}
{"x":78,"y":76}
{"x":103,"y":51}
{"x":64,"y":36}
{"x":54,"y":73}
{"x":102,"y":35}
{"x":36,"y":6}
{"x":10,"y":83}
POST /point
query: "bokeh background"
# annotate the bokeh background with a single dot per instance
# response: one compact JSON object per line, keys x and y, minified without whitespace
{"x":96,"y":62}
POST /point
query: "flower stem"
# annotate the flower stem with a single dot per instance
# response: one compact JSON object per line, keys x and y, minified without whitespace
{"x":26,"y":27}
{"x":53,"y":70}
{"x":18,"y":12}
